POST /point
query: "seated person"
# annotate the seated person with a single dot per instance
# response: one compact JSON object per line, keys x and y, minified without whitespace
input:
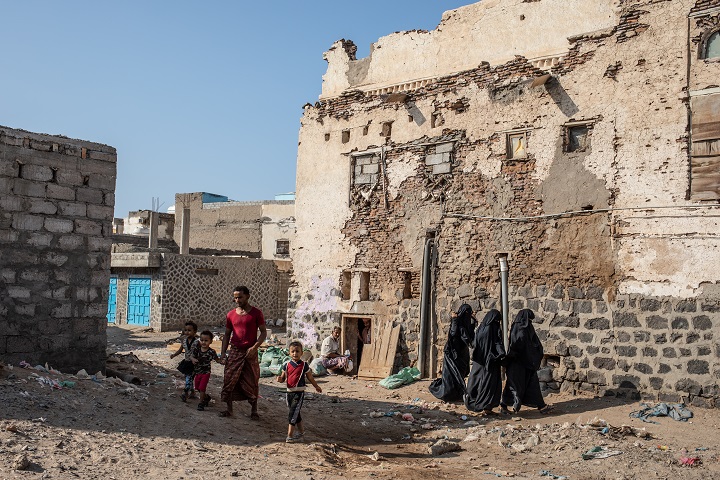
{"x":330,"y":355}
{"x":364,"y":332}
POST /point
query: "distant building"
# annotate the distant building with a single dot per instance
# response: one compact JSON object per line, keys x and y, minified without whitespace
{"x":231,"y":244}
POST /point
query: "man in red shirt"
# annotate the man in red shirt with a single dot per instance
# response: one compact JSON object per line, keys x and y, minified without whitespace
{"x":242,"y":369}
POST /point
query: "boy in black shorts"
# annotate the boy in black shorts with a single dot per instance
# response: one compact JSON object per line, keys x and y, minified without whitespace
{"x":295,"y":372}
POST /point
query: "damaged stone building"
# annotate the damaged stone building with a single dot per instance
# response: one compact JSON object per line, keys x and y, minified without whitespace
{"x":210,"y":246}
{"x":575,"y":142}
{"x":56,"y":209}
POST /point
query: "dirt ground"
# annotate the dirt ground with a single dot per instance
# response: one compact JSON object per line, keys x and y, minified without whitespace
{"x":104,"y":428}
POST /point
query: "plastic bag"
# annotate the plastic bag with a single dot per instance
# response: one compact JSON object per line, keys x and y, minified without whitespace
{"x":318,"y":369}
{"x":404,"y":377}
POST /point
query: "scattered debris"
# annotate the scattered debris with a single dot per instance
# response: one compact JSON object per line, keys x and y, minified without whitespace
{"x":676,"y":411}
{"x":443,"y":446}
{"x":546,"y":473}
{"x":20,"y":462}
{"x":376,"y":457}
{"x":690,"y":461}
{"x":599,"y":452}
{"x":532,"y":441}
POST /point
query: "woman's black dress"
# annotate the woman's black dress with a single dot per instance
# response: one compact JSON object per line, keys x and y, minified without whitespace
{"x":456,"y":359}
{"x":525,"y":352}
{"x":485,"y":382}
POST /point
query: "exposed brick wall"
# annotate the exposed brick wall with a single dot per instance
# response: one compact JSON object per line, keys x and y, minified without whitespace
{"x":56,"y":210}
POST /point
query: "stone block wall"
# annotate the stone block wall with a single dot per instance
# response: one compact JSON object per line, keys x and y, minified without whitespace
{"x":206,"y":298}
{"x":56,"y":210}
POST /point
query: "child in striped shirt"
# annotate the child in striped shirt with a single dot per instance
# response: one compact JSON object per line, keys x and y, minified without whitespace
{"x":295,"y":372}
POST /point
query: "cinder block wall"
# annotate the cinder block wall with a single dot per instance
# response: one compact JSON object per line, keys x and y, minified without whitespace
{"x":56,"y":209}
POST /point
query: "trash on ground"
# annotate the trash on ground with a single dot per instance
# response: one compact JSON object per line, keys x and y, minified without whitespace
{"x":405,"y":376}
{"x":599,"y":452}
{"x":532,"y":441}
{"x":443,"y":446}
{"x":546,"y":473}
{"x":376,"y":456}
{"x":690,"y":461}
{"x":676,"y":411}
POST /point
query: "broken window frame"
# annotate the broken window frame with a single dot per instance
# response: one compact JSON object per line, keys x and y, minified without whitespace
{"x":282,"y":247}
{"x":568,"y":128}
{"x":510,"y":151}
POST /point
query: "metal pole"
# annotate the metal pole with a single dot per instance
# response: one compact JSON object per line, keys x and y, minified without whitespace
{"x":502,"y":260}
{"x":424,"y":307}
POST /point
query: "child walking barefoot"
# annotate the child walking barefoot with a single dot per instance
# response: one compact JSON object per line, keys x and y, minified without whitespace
{"x":295,"y":372}
{"x":202,"y":357}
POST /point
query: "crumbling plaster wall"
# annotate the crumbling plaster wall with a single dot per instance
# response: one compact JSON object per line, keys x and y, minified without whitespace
{"x":494,"y":29}
{"x":627,"y":299}
{"x":56,"y":210}
{"x":278,"y":223}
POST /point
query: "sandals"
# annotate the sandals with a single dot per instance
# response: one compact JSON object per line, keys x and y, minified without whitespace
{"x":546,"y":409}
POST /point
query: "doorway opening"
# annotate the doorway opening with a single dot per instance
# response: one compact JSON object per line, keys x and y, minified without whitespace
{"x":358,"y":331}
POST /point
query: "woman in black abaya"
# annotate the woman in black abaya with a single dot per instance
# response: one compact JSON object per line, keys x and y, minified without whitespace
{"x":456,"y":359}
{"x":485,"y":383}
{"x":524,"y":355}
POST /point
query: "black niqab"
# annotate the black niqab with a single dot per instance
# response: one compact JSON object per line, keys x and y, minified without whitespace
{"x":485,"y":382}
{"x":525,"y":353}
{"x":456,"y":359}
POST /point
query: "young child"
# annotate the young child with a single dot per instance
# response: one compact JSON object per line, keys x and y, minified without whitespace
{"x":187,"y":344}
{"x":295,"y":372}
{"x":202,"y":357}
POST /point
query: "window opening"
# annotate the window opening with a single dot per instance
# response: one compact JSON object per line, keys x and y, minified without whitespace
{"x":327,"y":137}
{"x":366,"y":128}
{"x":407,"y":285}
{"x":364,"y":286}
{"x":516,"y":145}
{"x":386,"y":129}
{"x":577,"y":138}
{"x":282,"y":247}
{"x":345,"y":282}
{"x":712,"y":46}
{"x":345,"y":136}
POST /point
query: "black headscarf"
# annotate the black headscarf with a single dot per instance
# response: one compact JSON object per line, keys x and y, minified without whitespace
{"x":488,"y":346}
{"x":525,"y":345}
{"x":462,"y":326}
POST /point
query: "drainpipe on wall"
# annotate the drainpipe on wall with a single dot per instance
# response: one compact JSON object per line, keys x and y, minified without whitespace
{"x":423,"y":346}
{"x":503,"y":262}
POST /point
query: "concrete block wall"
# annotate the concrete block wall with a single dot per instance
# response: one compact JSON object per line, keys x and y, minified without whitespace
{"x":56,"y":208}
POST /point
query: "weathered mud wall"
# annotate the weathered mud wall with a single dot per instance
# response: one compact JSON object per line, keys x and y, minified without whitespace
{"x":56,"y":210}
{"x":581,"y":169}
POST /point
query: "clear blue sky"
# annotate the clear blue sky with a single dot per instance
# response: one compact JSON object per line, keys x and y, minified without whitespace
{"x":195,"y":96}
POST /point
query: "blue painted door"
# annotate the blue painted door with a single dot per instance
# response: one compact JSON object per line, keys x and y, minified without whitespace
{"x":112,"y":300}
{"x":138,"y":306}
